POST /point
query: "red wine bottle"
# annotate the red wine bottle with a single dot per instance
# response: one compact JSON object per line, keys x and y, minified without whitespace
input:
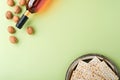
{"x":32,"y":6}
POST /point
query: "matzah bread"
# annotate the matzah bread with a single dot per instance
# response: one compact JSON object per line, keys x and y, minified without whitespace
{"x":93,"y":70}
{"x":79,"y":70}
{"x":83,"y":71}
{"x":76,"y":76}
{"x":81,"y":65}
{"x":107,"y":72}
{"x":94,"y":61}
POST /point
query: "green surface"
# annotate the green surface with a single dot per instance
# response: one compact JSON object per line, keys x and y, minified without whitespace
{"x":66,"y":30}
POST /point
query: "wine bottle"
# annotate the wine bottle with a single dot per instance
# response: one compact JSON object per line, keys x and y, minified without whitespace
{"x":32,"y":6}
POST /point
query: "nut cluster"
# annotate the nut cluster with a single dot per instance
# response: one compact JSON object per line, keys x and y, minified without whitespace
{"x":13,"y":15}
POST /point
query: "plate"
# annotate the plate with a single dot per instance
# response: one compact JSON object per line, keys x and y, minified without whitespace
{"x":87,"y":58}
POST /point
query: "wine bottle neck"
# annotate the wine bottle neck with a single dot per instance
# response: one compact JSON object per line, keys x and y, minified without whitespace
{"x":27,"y":13}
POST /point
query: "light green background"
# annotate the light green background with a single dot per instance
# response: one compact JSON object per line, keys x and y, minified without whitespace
{"x":66,"y":30}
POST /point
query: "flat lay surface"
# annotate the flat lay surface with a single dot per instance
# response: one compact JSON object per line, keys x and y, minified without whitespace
{"x":64,"y":30}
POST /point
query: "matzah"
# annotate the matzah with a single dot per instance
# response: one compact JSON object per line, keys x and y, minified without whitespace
{"x":81,"y":65}
{"x":94,"y":61}
{"x":107,"y":72}
{"x":93,"y":70}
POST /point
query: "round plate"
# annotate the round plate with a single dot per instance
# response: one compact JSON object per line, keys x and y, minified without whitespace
{"x":87,"y":58}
